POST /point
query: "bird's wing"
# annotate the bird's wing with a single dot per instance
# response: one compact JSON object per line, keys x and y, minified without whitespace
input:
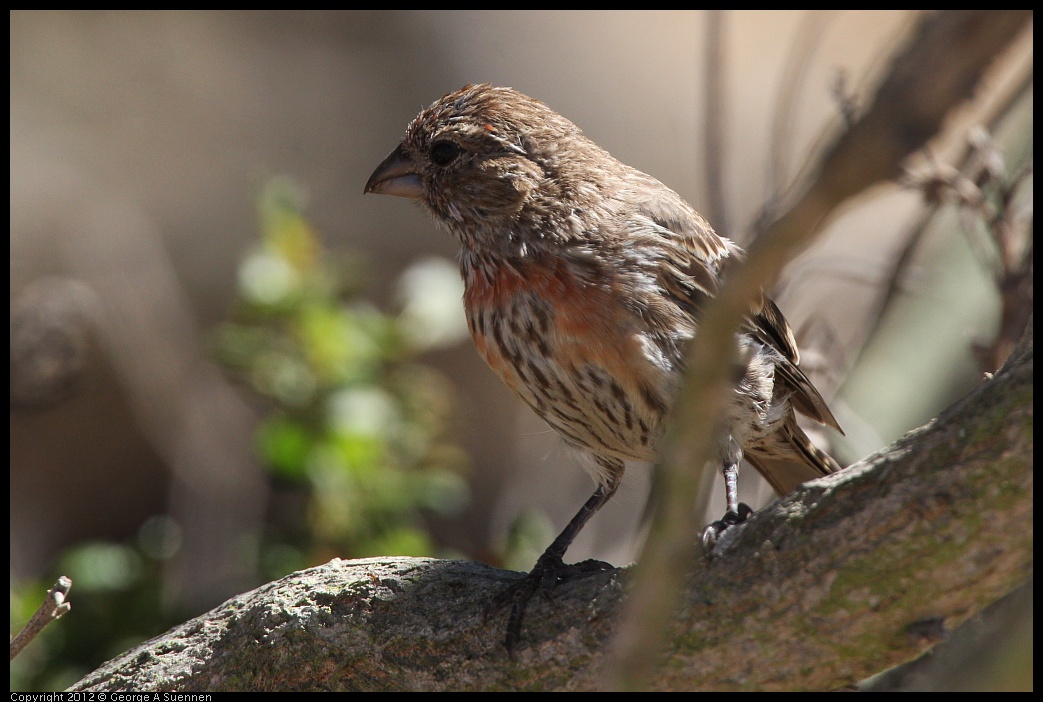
{"x":768,"y":325}
{"x":683,"y":252}
{"x":691,"y":261}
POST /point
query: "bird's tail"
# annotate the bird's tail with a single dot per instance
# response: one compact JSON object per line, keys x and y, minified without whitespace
{"x":790,"y":459}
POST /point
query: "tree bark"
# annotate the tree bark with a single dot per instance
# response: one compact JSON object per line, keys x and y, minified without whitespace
{"x":846,"y":577}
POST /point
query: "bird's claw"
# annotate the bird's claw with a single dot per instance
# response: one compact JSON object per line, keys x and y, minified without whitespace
{"x":547,"y":574}
{"x":712,"y":533}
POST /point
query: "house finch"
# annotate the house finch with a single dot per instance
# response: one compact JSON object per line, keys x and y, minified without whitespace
{"x":584,"y":281}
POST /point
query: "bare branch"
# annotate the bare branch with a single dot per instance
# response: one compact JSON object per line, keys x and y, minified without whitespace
{"x":839,"y":580}
{"x":807,"y":40}
{"x":714,"y":135}
{"x":53,"y":607}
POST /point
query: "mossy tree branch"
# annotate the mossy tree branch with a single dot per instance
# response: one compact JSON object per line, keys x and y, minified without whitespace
{"x":844,"y":578}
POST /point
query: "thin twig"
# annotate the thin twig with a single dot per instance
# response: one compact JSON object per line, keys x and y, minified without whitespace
{"x":807,"y":40}
{"x":714,"y":135}
{"x":53,"y":607}
{"x":904,"y":255}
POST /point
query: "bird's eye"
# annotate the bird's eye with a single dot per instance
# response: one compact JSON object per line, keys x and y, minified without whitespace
{"x":444,"y":152}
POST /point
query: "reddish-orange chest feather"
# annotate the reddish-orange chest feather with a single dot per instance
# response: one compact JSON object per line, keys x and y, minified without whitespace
{"x":544,"y":307}
{"x":562,"y":338}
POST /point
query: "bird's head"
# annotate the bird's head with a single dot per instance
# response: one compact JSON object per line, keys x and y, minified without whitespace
{"x":486,"y":155}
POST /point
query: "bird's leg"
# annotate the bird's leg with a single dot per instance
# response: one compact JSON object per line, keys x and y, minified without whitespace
{"x":550,"y":569}
{"x":736,"y":513}
{"x":731,"y":487}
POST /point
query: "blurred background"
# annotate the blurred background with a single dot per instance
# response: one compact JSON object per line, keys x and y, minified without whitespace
{"x":227,"y":364}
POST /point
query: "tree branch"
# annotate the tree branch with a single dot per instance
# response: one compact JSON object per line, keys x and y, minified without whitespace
{"x":923,"y":85}
{"x":52,"y":608}
{"x":846,"y":577}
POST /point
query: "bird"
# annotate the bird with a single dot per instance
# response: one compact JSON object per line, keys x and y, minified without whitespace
{"x":584,"y":282}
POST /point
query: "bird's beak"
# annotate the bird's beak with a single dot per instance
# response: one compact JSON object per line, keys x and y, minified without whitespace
{"x":396,"y":175}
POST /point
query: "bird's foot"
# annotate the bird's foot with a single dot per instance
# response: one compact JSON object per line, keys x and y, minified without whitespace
{"x":549,"y":572}
{"x":712,"y":533}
